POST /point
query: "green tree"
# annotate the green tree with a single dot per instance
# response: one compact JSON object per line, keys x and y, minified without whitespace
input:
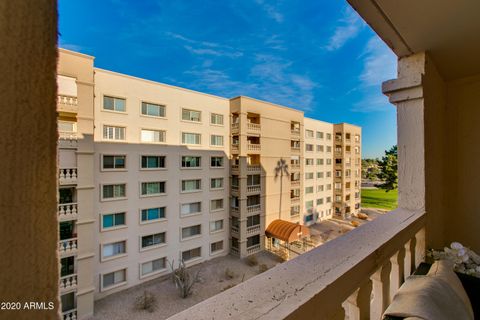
{"x":389,"y":169}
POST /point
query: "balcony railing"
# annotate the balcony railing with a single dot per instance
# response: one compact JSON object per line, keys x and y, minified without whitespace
{"x":235,"y":229}
{"x":254,"y":189}
{"x":67,"y":103}
{"x":235,"y":209}
{"x":67,"y":211}
{"x":68,"y":282}
{"x":235,"y":251}
{"x":253,"y":147}
{"x":235,"y":147}
{"x":254,"y":208}
{"x":253,"y":229}
{"x":295,"y":132}
{"x":295,"y":148}
{"x":235,"y":126}
{"x":254,"y":168}
{"x":333,"y":281}
{"x":295,"y":166}
{"x":70,"y":315}
{"x":253,"y":249}
{"x":67,"y":176}
{"x":295,"y":183}
{"x":255,"y":127}
{"x":234,"y":167}
{"x":68,"y":246}
{"x":234,"y":188}
{"x":67,"y":139}
{"x":295,"y":199}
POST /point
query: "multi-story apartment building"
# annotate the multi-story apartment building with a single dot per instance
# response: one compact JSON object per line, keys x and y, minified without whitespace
{"x":151,"y":173}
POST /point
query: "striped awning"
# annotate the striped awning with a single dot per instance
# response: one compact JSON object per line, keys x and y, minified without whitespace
{"x":286,"y":231}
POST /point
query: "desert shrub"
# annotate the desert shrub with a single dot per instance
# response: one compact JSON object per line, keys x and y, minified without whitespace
{"x":183,"y":278}
{"x":355,"y":223}
{"x":262,"y":268}
{"x":146,"y":301}
{"x":229,"y":274}
{"x":362,"y":216}
{"x":252,"y":261}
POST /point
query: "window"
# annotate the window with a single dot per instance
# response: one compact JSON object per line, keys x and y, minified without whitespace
{"x":295,"y":144}
{"x":153,"y":266}
{"x":329,"y":148}
{"x":253,"y":241}
{"x":309,"y":147}
{"x":113,"y":278}
{"x":338,"y":186}
{"x":329,"y":199}
{"x":294,"y":211}
{"x":191,"y":185}
{"x":152,"y":135}
{"x":152,"y":109}
{"x":235,"y":181}
{"x":152,"y":214}
{"x":192,"y":254}
{"x":308,"y":190}
{"x":338,"y":198}
{"x":357,"y":150}
{"x":294,"y":193}
{"x":348,"y":136}
{"x":216,"y":204}
{"x":114,"y":249}
{"x":191,"y":231}
{"x":114,"y":162}
{"x":191,"y":138}
{"x":319,"y":148}
{"x":153,"y":188}
{"x":216,"y":246}
{"x":357,"y":138}
{"x":329,"y":186}
{"x":191,"y":162}
{"x":319,"y":135}
{"x":338,"y":173}
{"x":153,"y":240}
{"x":329,"y":174}
{"x":253,"y":220}
{"x":329,"y":161}
{"x":216,"y":140}
{"x":319,"y":201}
{"x":308,"y":175}
{"x":329,"y":136}
{"x":113,"y":104}
{"x":190,"y":208}
{"x":216,"y":162}
{"x":319,"y":175}
{"x":216,"y":183}
{"x":153,"y":162}
{"x":113,"y":220}
{"x":216,"y":118}
{"x":253,"y":200}
{"x":113,"y":191}
{"x":253,"y":180}
{"x":309,"y":205}
{"x":113,"y":133}
{"x":320,"y":188}
{"x":319,"y":162}
{"x":309,"y":161}
{"x":235,"y":202}
{"x":309,"y":218}
{"x":308,"y":133}
{"x":338,"y":161}
{"x":191,"y":115}
{"x":216,"y":225}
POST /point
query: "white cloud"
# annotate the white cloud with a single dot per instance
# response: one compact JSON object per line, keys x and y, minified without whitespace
{"x":206,"y":48}
{"x":348,"y":27}
{"x":380,"y":63}
{"x":271,"y":11}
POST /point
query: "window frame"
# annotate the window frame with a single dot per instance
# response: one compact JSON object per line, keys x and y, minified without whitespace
{"x":113,"y":97}
{"x":153,"y":155}
{"x":216,"y":210}
{"x":114,"y":127}
{"x":115,"y":227}
{"x":140,"y":189}
{"x":154,"y":272}
{"x":198,"y":235}
{"x":191,"y":144}
{"x":190,"y":214}
{"x":155,"y":104}
{"x":191,"y":121}
{"x":191,"y":168}
{"x":153,"y":246}
{"x":102,"y":163}
{"x":163,"y":134}
{"x":216,"y":124}
{"x":140,"y":214}
{"x":191,"y":191}
{"x":103,"y":258}
{"x":103,"y":199}
{"x":216,"y":189}
{"x":114,"y":285}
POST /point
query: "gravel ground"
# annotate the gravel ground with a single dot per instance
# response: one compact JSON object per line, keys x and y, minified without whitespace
{"x":120,"y":306}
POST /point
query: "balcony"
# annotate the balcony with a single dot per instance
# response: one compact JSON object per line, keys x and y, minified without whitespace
{"x":235,"y":229}
{"x":295,"y":132}
{"x":295,"y":199}
{"x":235,"y":127}
{"x":67,"y":104}
{"x":254,"y":208}
{"x":295,"y":166}
{"x":235,"y":148}
{"x":254,"y":127}
{"x":253,"y":147}
{"x":295,"y":149}
{"x":295,"y":183}
{"x":252,"y":250}
{"x":254,"y":168}
{"x":70,"y":315}
{"x":68,"y":140}
{"x":67,"y":176}
{"x":234,"y":167}
{"x":234,"y":251}
{"x":68,"y":246}
{"x":253,"y":229}
{"x":234,"y":188}
{"x":254,"y":189}
{"x":235,"y":209}
{"x":67,"y":211}
{"x":68,"y":283}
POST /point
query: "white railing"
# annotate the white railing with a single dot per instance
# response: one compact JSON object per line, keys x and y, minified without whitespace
{"x":67,"y":103}
{"x":253,"y":147}
{"x":295,"y":199}
{"x":295,"y":183}
{"x":234,"y":188}
{"x":68,"y":246}
{"x":253,"y":127}
{"x":67,"y":176}
{"x":67,"y":139}
{"x":295,"y":132}
{"x":70,"y":315}
{"x":234,"y":251}
{"x":253,"y":249}
{"x":235,"y":147}
{"x":254,"y":168}
{"x":67,"y":211}
{"x":234,"y":167}
{"x":295,"y":148}
{"x":235,"y":229}
{"x":353,"y":276}
{"x":253,"y":229}
{"x":253,"y":189}
{"x":235,"y":209}
{"x":254,"y":208}
{"x":295,"y":166}
{"x":68,"y":282}
{"x":235,"y":126}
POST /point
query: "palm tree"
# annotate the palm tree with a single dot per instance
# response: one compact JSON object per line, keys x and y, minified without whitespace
{"x":280,"y":170}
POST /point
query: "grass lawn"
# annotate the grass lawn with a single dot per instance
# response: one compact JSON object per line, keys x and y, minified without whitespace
{"x":379,"y":198}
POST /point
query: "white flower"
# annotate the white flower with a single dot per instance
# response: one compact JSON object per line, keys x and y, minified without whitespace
{"x":456,"y":245}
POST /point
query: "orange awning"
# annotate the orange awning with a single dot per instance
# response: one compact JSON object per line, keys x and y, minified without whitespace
{"x":286,"y":231}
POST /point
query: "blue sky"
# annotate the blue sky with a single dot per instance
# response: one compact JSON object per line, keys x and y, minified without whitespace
{"x":317,"y":56}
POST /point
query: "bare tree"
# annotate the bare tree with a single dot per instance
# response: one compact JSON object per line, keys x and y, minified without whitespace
{"x":280,"y":170}
{"x":183,"y":278}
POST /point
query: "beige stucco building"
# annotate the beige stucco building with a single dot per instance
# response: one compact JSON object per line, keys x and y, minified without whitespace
{"x":152,"y":173}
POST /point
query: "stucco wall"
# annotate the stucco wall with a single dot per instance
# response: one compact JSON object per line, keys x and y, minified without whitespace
{"x":28,"y":222}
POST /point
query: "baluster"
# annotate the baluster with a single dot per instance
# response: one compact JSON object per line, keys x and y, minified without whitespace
{"x":420,"y":247}
{"x":397,"y":273}
{"x":408,"y":261}
{"x":381,"y":290}
{"x":357,"y":305}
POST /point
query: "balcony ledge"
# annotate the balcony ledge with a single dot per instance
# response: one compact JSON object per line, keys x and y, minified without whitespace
{"x":315,"y":284}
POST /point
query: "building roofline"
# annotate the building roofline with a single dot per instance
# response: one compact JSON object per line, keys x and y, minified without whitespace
{"x":267,"y":102}
{"x":76,"y":53}
{"x":157,"y":83}
{"x":353,"y":125}
{"x":324,"y":122}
